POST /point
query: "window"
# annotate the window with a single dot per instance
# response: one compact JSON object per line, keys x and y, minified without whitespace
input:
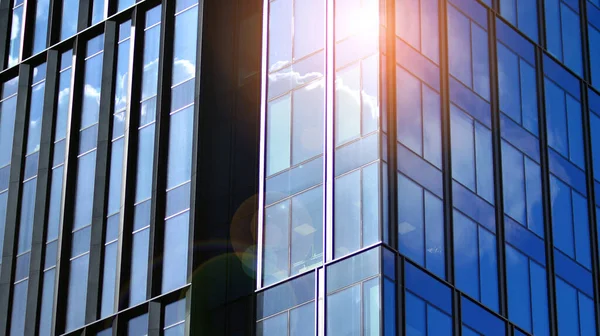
{"x":357,"y":184}
{"x":477,"y":321}
{"x":56,"y":190}
{"x":294,"y":139}
{"x":475,"y":262}
{"x":40,"y":34}
{"x":145,"y":157}
{"x":14,"y":53}
{"x":563,"y":33}
{"x":8,"y":109}
{"x":527,"y":292}
{"x":428,"y":304}
{"x":84,"y":188}
{"x":421,"y":226}
{"x":288,"y":308}
{"x":575,"y":310}
{"x":354,"y":295}
{"x":417,"y":25}
{"x":115,"y":177}
{"x":174,"y":318}
{"x":179,"y":165}
{"x":521,"y":14}
{"x":593,"y":18}
{"x":472,"y":161}
{"x":467,"y":46}
{"x":70,"y":14}
{"x":27,"y":204}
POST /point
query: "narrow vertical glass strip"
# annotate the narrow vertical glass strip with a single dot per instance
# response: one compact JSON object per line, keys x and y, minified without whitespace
{"x":16,"y":32}
{"x":84,"y":188}
{"x":69,"y":17}
{"x":357,"y":133}
{"x":27,"y":204}
{"x":40,"y":34}
{"x":181,"y":130}
{"x":56,"y":192}
{"x":115,"y":184}
{"x":145,"y":157}
{"x":8,"y":109}
{"x":294,"y":139}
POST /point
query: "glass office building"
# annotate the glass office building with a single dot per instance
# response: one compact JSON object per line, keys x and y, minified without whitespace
{"x":128,"y":166}
{"x":299,"y":167}
{"x":429,"y":167}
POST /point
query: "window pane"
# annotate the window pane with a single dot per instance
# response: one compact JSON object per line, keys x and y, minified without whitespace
{"x":175,"y":252}
{"x":307,"y":230}
{"x":70,"y":12}
{"x":278,"y":135}
{"x":180,"y":147}
{"x":276,"y":234}
{"x":302,"y":320}
{"x":184,"y":45}
{"x":78,"y":276}
{"x":343,"y":312}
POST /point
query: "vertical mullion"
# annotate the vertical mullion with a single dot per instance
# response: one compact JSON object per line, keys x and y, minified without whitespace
{"x":11,"y":230}
{"x":392,"y":162}
{"x":446,"y":145}
{"x":497,"y":160}
{"x":54,"y":22}
{"x":262,"y":142}
{"x":584,"y":43}
{"x":85,"y":12}
{"x":94,"y":284}
{"x":161,"y":147}
{"x":591,"y":200}
{"x":155,"y":314}
{"x":196,"y":146}
{"x":29,"y":16}
{"x":36,"y":268}
{"x":546,"y":198}
{"x":329,"y":144}
{"x":69,"y":187}
{"x":5,"y":25}
{"x":124,"y":246}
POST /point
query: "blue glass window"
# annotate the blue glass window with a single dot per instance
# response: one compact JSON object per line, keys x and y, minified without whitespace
{"x":145,"y":159}
{"x":421,"y":226}
{"x":289,"y":306}
{"x":564,"y":123}
{"x":570,"y":223}
{"x":40,"y":34}
{"x":14,"y":52}
{"x":356,"y":210}
{"x":517,"y":87}
{"x":476,"y":269}
{"x":521,"y":14}
{"x":296,"y":223}
{"x":477,"y":321}
{"x":8,"y":107}
{"x":467,"y":46}
{"x":522,"y":183}
{"x":428,"y":304}
{"x":575,"y":310}
{"x":418,"y":117}
{"x":417,"y":25}
{"x":70,"y":14}
{"x":527,"y":293}
{"x":56,"y":189}
{"x":563,"y":33}
{"x":472,"y":160}
{"x":174,"y":318}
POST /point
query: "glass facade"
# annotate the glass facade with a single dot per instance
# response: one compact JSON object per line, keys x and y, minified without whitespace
{"x":457,"y":187}
{"x":366,"y":167}
{"x":100,"y":109}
